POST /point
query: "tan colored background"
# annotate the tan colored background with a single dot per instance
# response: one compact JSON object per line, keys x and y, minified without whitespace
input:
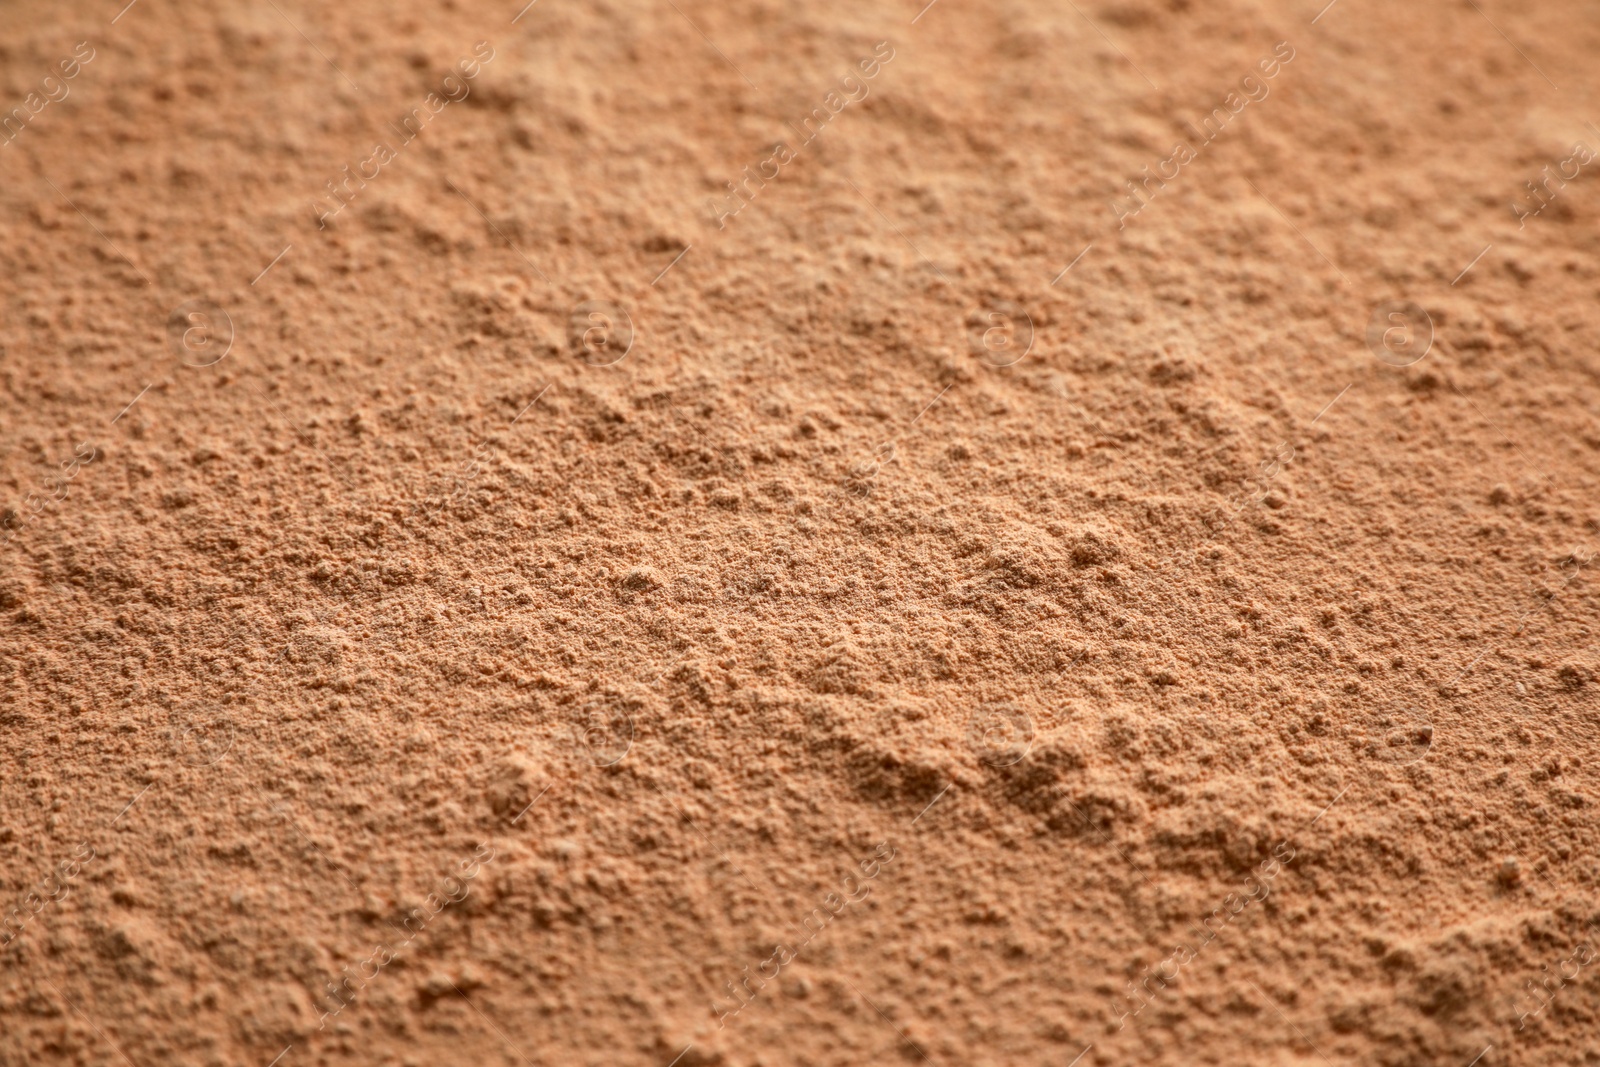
{"x":1196,"y":601}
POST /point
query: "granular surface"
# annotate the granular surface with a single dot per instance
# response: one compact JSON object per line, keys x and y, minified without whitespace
{"x":749,"y":534}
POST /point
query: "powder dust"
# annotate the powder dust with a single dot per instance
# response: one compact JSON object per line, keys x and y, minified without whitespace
{"x":735,"y":535}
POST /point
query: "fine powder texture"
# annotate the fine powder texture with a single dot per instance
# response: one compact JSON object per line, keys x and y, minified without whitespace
{"x":688,"y":533}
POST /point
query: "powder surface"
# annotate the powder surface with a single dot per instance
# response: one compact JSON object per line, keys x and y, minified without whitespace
{"x":748,"y":534}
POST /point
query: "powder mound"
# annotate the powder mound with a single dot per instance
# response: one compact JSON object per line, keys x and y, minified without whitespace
{"x":1093,"y":548}
{"x":515,"y":783}
{"x":1037,"y":784}
{"x":897,"y":779}
{"x":641,"y":579}
{"x":1574,"y":676}
{"x":1088,"y":545}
